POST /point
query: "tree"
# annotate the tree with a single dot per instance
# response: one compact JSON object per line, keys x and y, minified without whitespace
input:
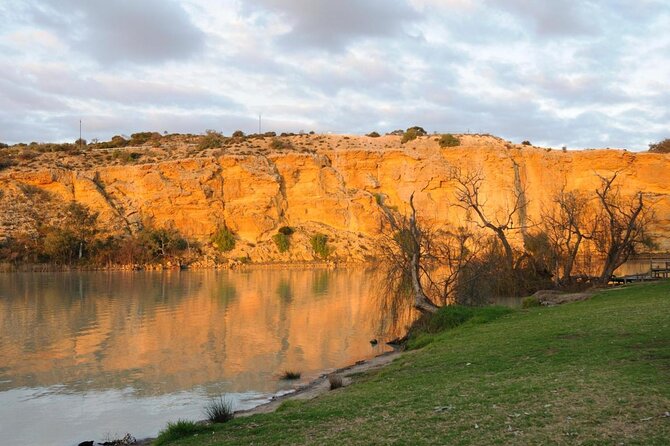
{"x":660,"y":147}
{"x":73,"y":237}
{"x":403,"y":247}
{"x":622,"y":225}
{"x":422,"y":268}
{"x":412,"y":133}
{"x":469,"y":197}
{"x":568,"y":224}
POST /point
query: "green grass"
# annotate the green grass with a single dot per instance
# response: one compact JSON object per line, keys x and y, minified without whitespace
{"x":588,"y":373}
{"x":178,"y":430}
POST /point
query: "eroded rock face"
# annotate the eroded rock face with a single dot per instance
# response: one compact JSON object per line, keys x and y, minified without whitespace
{"x":333,"y":189}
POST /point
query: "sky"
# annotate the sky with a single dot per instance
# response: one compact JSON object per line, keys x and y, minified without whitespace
{"x":573,"y":73}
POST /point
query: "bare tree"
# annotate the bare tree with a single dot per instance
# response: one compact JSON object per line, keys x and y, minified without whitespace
{"x":622,"y":225}
{"x":421,"y":266}
{"x":567,"y":224}
{"x":406,"y":249}
{"x":469,"y":197}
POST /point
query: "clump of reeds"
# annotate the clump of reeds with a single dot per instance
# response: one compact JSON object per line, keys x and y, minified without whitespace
{"x":219,"y":410}
{"x":290,"y":375}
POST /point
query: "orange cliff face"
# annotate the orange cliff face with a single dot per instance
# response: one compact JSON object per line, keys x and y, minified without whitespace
{"x":327,"y":184}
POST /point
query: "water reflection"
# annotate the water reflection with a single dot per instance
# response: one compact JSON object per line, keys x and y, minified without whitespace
{"x":126,"y":338}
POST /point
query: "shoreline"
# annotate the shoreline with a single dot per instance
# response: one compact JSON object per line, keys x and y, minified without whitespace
{"x":310,"y":390}
{"x":47,"y":268}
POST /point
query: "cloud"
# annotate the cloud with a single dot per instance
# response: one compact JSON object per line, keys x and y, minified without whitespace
{"x":139,"y":32}
{"x":332,"y":25}
{"x":570,"y":72}
{"x":551,"y":18}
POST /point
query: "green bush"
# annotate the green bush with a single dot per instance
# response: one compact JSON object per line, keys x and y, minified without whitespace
{"x":373,"y":135}
{"x":412,"y":133}
{"x":660,"y":147}
{"x":530,"y":302}
{"x":282,"y":241}
{"x":138,"y":139}
{"x":224,"y":239}
{"x":238,"y":134}
{"x":320,"y":245}
{"x":286,"y":230}
{"x":178,"y":429}
{"x":526,"y":143}
{"x":125,"y":156}
{"x":449,"y":140}
{"x":211,"y":140}
{"x":280,"y":144}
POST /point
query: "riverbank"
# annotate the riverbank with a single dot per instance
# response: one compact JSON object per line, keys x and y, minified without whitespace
{"x":590,"y":372}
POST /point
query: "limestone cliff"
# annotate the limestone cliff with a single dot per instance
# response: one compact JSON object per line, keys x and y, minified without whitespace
{"x":323,"y":183}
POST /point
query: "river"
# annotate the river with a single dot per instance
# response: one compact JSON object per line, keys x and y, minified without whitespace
{"x":93,"y":355}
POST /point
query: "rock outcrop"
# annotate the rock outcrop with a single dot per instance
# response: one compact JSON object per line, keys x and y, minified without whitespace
{"x":327,"y":184}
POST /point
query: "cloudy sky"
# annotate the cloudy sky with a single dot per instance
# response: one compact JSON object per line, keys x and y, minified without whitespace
{"x":557,"y":72}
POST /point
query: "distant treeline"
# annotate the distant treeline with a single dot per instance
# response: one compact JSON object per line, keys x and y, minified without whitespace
{"x":77,"y":240}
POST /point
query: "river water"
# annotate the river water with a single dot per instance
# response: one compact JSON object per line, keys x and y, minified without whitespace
{"x":91,"y":356}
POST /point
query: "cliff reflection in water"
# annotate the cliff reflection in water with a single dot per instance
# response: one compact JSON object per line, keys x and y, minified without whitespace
{"x":166,"y":332}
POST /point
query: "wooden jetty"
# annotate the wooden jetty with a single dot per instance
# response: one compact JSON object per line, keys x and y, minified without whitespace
{"x":658,"y":269}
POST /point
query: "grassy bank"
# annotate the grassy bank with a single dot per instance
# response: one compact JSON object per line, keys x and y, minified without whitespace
{"x":593,"y":372}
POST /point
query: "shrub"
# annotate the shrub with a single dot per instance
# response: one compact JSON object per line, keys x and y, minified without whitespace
{"x":282,"y":241}
{"x":449,"y":140}
{"x":290,"y":375}
{"x":660,"y":147}
{"x":162,"y":243}
{"x":335,"y":381}
{"x":5,"y":162}
{"x":286,"y":230}
{"x":373,"y":135}
{"x":379,"y":199}
{"x":118,"y":141}
{"x":178,"y":429}
{"x":125,"y":156}
{"x":280,"y":144}
{"x":526,"y":143}
{"x":396,"y":132}
{"x":530,"y":302}
{"x":211,"y":140}
{"x":320,"y":245}
{"x":138,"y":139}
{"x":224,"y":239}
{"x":3,"y":145}
{"x":219,"y":410}
{"x":412,"y":133}
{"x":26,"y":155}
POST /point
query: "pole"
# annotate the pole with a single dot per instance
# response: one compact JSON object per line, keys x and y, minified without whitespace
{"x":80,"y":134}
